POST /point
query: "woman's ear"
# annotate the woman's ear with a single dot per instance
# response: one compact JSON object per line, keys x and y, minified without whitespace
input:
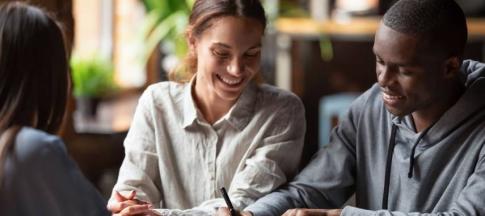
{"x":452,"y":67}
{"x":192,"y":42}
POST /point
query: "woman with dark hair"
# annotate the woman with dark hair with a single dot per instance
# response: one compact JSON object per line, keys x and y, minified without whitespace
{"x":216,"y":126}
{"x":37,"y":177}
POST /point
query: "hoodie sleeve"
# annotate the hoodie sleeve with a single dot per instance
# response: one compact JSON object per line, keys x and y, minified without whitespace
{"x":317,"y":185}
{"x":470,"y":201}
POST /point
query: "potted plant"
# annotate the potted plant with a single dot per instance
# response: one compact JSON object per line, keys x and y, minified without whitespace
{"x":92,"y":80}
{"x":163,"y":28}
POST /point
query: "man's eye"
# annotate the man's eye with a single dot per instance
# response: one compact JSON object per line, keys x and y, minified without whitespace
{"x":405,"y":72}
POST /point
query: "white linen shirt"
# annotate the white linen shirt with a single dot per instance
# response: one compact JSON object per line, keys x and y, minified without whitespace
{"x":177,"y":161}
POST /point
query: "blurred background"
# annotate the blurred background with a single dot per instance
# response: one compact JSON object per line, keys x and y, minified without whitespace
{"x":319,"y":49}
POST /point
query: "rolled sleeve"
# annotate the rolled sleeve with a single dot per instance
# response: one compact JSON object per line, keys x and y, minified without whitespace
{"x":139,"y":170}
{"x":276,"y":160}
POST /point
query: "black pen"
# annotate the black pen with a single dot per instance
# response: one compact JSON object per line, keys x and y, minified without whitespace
{"x":228,"y":202}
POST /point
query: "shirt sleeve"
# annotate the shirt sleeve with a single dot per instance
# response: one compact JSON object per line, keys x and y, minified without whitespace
{"x":139,"y":170}
{"x":276,"y":160}
{"x":327,"y":181}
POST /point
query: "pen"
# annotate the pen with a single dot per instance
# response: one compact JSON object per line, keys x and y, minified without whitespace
{"x":228,"y":201}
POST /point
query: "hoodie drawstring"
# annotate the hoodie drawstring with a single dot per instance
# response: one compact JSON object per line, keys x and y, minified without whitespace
{"x":390,"y":152}
{"x":413,"y":150}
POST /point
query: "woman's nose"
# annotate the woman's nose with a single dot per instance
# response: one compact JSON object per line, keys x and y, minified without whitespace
{"x":235,"y":68}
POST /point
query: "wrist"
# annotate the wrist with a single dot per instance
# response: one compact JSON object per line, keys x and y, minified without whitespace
{"x":247,"y":213}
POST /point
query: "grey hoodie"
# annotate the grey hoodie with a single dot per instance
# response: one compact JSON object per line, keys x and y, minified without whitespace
{"x":447,"y":176}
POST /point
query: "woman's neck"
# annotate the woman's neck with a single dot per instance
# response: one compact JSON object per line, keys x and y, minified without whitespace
{"x":210,"y":104}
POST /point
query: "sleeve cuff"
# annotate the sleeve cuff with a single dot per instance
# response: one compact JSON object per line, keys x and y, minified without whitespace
{"x":353,"y":211}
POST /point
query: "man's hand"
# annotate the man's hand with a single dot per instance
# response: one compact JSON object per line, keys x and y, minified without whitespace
{"x":225,"y":212}
{"x":125,"y":205}
{"x":313,"y":212}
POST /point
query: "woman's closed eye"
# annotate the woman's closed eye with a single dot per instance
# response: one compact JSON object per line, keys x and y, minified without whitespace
{"x":220,"y":53}
{"x":253,"y":52}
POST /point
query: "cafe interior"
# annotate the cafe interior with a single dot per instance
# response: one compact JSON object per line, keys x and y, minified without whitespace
{"x":321,"y":50}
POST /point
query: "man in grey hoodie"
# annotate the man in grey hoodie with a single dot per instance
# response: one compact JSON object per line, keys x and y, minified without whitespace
{"x":414,"y":143}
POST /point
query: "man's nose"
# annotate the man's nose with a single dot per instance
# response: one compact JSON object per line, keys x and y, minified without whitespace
{"x":385,"y":75}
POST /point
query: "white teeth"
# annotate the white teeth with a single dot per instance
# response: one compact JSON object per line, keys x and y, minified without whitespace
{"x":230,"y":81}
{"x":390,"y":97}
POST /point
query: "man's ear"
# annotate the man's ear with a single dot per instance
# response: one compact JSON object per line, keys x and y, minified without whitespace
{"x":452,"y":67}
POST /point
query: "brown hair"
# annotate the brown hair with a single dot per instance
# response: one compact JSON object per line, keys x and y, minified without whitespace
{"x":34,"y":76}
{"x":204,"y":12}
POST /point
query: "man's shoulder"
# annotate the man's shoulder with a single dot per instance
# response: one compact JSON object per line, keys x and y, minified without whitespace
{"x":369,"y":100}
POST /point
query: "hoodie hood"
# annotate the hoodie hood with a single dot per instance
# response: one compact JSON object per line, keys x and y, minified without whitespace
{"x":473,"y":71}
{"x":470,"y":104}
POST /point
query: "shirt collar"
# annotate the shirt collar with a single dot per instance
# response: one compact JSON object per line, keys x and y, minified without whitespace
{"x":238,"y":116}
{"x":189,"y":108}
{"x":242,"y":111}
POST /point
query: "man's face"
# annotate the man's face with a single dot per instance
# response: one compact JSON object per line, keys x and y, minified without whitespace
{"x":409,"y":78}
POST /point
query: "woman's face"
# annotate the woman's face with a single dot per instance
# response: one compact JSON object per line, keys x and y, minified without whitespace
{"x":228,"y":57}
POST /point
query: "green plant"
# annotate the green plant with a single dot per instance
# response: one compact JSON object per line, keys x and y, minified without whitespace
{"x":92,"y":76}
{"x":165,"y":21}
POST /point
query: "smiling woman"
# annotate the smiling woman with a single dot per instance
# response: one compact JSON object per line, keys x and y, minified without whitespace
{"x":229,"y":59}
{"x":216,"y":126}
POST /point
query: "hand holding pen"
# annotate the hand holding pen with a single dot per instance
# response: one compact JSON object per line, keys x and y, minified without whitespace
{"x":232,"y":211}
{"x":229,"y":211}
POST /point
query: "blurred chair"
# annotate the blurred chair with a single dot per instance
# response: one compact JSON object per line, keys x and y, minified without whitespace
{"x":331,"y":109}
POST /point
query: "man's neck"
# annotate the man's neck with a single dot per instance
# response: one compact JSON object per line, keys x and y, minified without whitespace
{"x":425,"y":118}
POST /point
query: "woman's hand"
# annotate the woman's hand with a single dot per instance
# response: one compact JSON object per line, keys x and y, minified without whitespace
{"x":313,"y":212}
{"x":125,"y":205}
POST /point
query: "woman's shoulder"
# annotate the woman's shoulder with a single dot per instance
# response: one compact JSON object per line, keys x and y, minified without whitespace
{"x":269,"y":94}
{"x":167,"y":87}
{"x":33,"y":146}
{"x":39,"y":166}
{"x":165,"y":90}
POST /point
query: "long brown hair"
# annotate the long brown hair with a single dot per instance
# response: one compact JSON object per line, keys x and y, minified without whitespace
{"x":204,"y":12}
{"x":34,"y":76}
